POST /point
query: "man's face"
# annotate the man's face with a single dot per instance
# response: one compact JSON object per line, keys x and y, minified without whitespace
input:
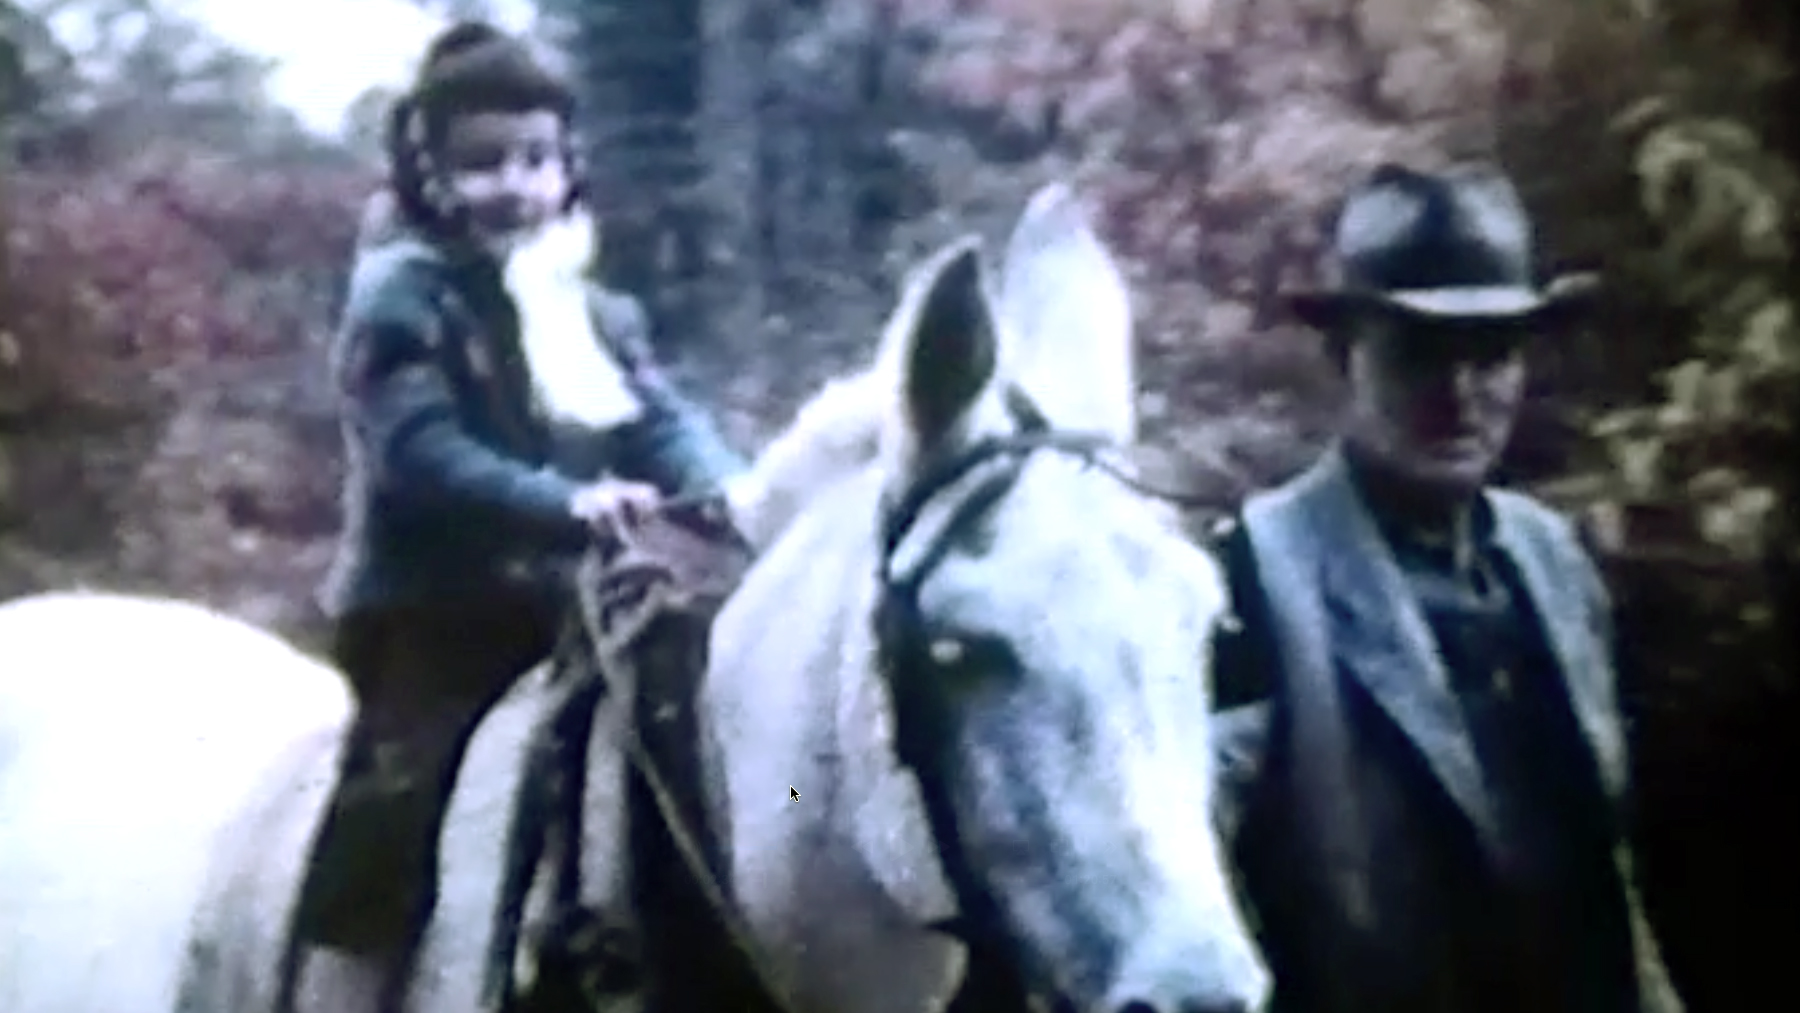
{"x":1435,"y":401}
{"x":508,"y":170}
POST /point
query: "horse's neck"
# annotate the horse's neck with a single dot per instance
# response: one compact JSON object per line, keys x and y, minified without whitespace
{"x":876,"y":812}
{"x":840,"y":526}
{"x":810,"y":594}
{"x":833,"y":437}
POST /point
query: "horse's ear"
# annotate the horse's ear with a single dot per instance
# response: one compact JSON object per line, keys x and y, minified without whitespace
{"x":1067,"y":303}
{"x":946,"y":349}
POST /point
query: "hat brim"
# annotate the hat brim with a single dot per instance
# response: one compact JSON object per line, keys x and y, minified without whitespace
{"x":1500,"y":304}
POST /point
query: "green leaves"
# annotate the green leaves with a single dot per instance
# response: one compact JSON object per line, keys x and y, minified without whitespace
{"x":1716,"y":438}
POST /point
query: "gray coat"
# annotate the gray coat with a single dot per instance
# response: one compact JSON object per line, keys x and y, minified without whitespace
{"x":456,"y":488}
{"x":1342,"y":833}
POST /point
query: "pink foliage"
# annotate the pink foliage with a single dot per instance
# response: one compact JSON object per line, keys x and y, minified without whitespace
{"x":1217,"y":137}
{"x":1126,"y":80}
{"x":170,"y":259}
{"x":1217,"y":133}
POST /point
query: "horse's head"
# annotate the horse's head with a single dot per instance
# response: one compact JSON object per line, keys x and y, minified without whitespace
{"x":1043,"y":629}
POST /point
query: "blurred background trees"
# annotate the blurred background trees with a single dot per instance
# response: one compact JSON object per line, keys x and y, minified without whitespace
{"x":1682,"y":404}
{"x":173,"y":244}
{"x":176,"y":242}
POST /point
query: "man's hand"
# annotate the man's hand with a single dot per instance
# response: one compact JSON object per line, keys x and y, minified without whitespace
{"x":613,"y":506}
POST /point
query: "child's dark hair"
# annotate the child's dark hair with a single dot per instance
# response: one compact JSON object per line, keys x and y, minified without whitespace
{"x":458,"y":38}
{"x":469,"y":67}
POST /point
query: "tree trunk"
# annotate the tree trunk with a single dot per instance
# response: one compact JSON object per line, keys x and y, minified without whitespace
{"x":637,"y":64}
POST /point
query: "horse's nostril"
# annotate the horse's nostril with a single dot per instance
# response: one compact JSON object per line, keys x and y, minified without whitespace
{"x":1189,"y":1006}
{"x":1166,"y":979}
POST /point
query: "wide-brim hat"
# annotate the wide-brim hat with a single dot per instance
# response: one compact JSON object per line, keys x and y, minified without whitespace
{"x":1455,"y":247}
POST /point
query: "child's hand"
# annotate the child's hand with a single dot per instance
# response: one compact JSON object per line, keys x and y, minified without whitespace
{"x":612,"y":506}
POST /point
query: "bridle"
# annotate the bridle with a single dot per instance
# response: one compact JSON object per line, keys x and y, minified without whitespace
{"x":979,"y":477}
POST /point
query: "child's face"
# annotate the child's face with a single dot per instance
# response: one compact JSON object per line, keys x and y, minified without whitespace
{"x":508,"y":171}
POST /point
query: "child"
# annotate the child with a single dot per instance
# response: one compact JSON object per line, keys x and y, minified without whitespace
{"x":487,"y":387}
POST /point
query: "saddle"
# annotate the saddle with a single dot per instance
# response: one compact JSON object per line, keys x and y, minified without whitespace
{"x":640,"y":634}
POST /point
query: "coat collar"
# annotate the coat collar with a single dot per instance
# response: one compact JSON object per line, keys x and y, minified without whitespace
{"x":1382,"y":638}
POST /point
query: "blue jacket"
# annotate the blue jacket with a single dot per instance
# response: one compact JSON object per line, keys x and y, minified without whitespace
{"x":450,"y":493}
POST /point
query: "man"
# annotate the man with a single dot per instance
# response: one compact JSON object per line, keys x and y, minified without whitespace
{"x":1420,"y":683}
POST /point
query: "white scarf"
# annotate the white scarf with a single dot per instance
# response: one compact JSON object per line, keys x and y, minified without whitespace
{"x":574,"y":377}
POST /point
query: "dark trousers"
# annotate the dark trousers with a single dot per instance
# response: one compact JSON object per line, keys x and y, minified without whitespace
{"x":424,"y":677}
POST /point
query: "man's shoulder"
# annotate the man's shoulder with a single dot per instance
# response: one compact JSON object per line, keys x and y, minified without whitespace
{"x":1534,"y":521}
{"x":1292,"y":506}
{"x":1526,"y":507}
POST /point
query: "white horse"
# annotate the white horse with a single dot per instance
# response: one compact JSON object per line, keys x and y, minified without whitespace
{"x":163,"y":769}
{"x":1025,"y":757}
{"x":132,"y":731}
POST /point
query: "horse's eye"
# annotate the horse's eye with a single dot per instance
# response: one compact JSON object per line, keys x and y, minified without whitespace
{"x":948,"y":652}
{"x":968,"y":658}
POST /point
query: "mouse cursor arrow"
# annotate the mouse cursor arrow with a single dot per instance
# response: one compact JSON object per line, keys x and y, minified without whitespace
{"x":793,"y":796}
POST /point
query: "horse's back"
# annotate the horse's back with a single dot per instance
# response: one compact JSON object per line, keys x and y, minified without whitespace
{"x":132,"y":731}
{"x":182,"y":659}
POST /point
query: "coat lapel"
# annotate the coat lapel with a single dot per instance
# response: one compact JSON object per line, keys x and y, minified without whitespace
{"x":1384,"y":642}
{"x":1570,"y":618}
{"x":1576,"y":622}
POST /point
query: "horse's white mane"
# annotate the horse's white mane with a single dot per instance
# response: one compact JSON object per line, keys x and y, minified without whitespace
{"x":833,"y":435}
